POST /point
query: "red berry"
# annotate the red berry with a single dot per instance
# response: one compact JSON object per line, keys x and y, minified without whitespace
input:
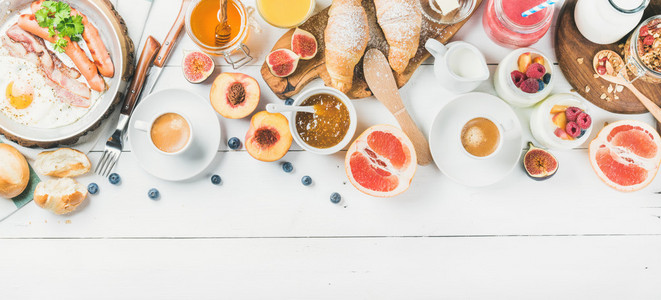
{"x":603,"y":59}
{"x":601,"y":70}
{"x":649,"y":40}
{"x":584,"y":120}
{"x":572,"y":129}
{"x":536,"y":71}
{"x":644,"y":31}
{"x":572,"y":113}
{"x":530,"y":86}
{"x":518,"y":77}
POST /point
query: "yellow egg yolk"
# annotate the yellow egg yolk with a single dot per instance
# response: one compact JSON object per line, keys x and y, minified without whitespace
{"x":16,"y":99}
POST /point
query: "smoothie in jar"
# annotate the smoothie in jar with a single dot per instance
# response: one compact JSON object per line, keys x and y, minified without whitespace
{"x":505,"y":25}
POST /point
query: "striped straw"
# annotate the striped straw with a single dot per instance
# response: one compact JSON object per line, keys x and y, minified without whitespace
{"x":538,"y":8}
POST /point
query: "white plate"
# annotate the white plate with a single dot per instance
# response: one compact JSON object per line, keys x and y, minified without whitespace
{"x":206,"y":135}
{"x":448,"y":152}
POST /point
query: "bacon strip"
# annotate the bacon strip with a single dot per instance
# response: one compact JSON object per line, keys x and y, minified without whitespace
{"x":93,"y":40}
{"x":24,"y":45}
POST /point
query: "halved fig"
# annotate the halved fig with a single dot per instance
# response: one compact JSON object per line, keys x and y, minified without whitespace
{"x":539,"y":163}
{"x":234,"y":95}
{"x":282,"y":62}
{"x":304,"y":44}
{"x":197,"y":66}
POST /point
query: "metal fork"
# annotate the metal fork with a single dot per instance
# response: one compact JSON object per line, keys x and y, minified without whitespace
{"x":115,"y":143}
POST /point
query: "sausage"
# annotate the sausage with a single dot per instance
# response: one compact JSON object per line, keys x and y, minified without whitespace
{"x":93,"y":40}
{"x":77,"y":55}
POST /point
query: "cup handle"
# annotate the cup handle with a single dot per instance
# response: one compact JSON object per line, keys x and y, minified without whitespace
{"x":507,"y":127}
{"x":436,"y":48}
{"x":141,"y":125}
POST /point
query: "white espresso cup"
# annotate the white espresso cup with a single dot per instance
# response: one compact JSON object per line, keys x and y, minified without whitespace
{"x":170,"y":133}
{"x":503,"y":130}
{"x":459,"y":66}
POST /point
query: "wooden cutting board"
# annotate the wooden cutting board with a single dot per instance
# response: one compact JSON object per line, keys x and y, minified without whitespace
{"x":310,"y":69}
{"x":570,"y":45}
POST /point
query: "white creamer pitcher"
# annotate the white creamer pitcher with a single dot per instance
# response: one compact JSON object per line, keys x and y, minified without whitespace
{"x":460,"y":67}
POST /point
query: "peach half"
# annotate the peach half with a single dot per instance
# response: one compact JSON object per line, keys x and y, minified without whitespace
{"x":268,"y":138}
{"x":234,"y":95}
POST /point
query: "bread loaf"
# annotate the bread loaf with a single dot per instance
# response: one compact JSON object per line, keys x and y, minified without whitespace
{"x":14,"y":172}
{"x":60,"y":195}
{"x":63,"y":162}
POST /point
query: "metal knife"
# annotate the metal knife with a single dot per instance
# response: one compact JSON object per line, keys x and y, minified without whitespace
{"x":164,"y":53}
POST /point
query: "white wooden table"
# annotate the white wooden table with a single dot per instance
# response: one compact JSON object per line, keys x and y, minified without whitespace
{"x":263,"y":235}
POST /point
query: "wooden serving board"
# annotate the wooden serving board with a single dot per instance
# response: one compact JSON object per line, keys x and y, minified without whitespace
{"x":310,"y":69}
{"x":571,"y":45}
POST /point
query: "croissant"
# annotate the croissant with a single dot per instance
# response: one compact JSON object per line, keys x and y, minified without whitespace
{"x":400,"y":21}
{"x":346,"y":38}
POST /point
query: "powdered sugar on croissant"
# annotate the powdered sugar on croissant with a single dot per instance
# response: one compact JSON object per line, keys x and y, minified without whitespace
{"x":401,"y":21}
{"x":346,"y":38}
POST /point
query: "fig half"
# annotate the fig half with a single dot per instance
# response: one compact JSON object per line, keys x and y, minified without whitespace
{"x":304,"y":44}
{"x":539,"y":163}
{"x":197,"y":66}
{"x":282,"y":62}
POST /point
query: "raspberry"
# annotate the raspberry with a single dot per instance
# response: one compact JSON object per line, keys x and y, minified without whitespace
{"x":572,"y":113}
{"x":530,"y":86}
{"x":536,"y":71}
{"x":649,"y":40}
{"x":584,"y":120}
{"x":572,"y":129}
{"x":517,"y":77}
{"x":644,"y":31}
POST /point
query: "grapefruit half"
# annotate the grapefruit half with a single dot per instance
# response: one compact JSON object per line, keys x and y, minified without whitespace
{"x":626,"y":155}
{"x":381,"y":162}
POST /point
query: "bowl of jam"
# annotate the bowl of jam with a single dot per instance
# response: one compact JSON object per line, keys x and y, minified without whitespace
{"x":330,"y":128}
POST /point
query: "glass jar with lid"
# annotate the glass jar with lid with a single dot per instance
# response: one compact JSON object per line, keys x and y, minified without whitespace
{"x":607,"y":21}
{"x":202,"y":18}
{"x":642,"y":52}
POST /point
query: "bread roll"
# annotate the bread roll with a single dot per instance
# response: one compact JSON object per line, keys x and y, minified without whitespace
{"x":14,"y":172}
{"x":63,"y":162}
{"x":60,"y":195}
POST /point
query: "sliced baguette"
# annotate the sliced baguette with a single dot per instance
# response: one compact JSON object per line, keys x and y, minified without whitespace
{"x":14,"y":172}
{"x":60,"y":195}
{"x":65,"y":162}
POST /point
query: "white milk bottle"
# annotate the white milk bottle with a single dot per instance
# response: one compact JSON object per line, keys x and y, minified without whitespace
{"x":607,"y":21}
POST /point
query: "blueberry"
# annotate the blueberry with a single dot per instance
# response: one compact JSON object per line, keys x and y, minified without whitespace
{"x":215,"y":179}
{"x":541,"y":84}
{"x":289,"y":101}
{"x":547,"y":78}
{"x":335,"y":198}
{"x":287,"y":167}
{"x":114,"y":178}
{"x":581,"y":134}
{"x":234,"y":143}
{"x":93,"y":188}
{"x":306,"y":180}
{"x":153,"y":194}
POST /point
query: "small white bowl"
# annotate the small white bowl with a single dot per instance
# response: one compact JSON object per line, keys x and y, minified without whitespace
{"x":352,"y":118}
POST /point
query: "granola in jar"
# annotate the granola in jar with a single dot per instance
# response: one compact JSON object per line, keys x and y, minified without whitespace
{"x":643,"y":51}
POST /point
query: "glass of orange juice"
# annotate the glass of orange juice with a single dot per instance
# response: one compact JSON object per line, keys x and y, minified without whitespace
{"x":285,"y":13}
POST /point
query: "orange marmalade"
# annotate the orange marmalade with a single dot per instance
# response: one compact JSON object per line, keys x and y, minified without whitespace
{"x":328,"y":126}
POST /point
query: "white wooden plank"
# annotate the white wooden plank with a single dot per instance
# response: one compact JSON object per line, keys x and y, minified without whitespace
{"x":391,"y":268}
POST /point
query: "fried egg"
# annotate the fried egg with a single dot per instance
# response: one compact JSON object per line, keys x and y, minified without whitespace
{"x":27,"y":98}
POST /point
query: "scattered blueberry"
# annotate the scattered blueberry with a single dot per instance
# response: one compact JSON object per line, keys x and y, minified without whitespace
{"x":581,"y":134}
{"x":153,"y":194}
{"x":234,"y":143}
{"x":541,"y":84}
{"x":335,"y":198}
{"x":306,"y":180}
{"x":287,"y":167}
{"x":215,"y":179}
{"x":289,"y":101}
{"x":93,"y":188}
{"x":547,"y":78}
{"x":114,"y":178}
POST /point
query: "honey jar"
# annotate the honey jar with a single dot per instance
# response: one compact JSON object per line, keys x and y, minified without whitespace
{"x":203,"y":16}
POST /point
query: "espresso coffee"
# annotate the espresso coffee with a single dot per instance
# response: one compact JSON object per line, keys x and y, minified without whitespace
{"x":480,"y":137}
{"x":170,"y":132}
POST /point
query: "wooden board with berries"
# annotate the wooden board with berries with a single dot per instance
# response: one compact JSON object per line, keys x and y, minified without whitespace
{"x":313,"y":68}
{"x":575,"y":57}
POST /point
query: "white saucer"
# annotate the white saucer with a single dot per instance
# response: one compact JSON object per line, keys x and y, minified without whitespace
{"x":452,"y":159}
{"x":206,"y":135}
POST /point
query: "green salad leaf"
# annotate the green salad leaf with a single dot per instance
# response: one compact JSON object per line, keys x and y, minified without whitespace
{"x":56,"y":16}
